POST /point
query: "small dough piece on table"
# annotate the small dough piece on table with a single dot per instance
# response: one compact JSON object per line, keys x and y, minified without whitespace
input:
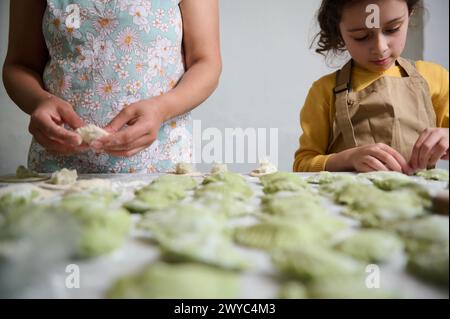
{"x":219,"y":168}
{"x":434,"y":174}
{"x":23,"y":175}
{"x":177,"y":281}
{"x":372,"y":246}
{"x":64,"y":177}
{"x":185,"y":169}
{"x":265,"y":168}
{"x":91,"y":133}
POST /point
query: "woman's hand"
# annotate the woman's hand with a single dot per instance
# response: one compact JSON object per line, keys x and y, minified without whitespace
{"x":46,"y":126}
{"x":143,"y":120}
{"x":431,"y":146}
{"x":369,"y":158}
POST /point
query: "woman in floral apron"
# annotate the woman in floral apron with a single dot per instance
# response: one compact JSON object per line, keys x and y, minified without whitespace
{"x":134,"y":67}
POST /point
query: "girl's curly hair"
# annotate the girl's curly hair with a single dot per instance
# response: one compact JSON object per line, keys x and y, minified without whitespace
{"x":329,"y":17}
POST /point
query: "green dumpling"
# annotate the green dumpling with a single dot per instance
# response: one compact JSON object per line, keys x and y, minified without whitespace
{"x":103,"y":228}
{"x":386,"y":208}
{"x":429,"y":230}
{"x":328,"y":178}
{"x":434,"y":174}
{"x":177,"y":281}
{"x":431,"y":263}
{"x":313,"y":262}
{"x":282,"y":181}
{"x":290,"y":206}
{"x":277,"y":235}
{"x":183,"y":181}
{"x":241,"y":192}
{"x":372,"y":246}
{"x":227,"y":182}
{"x":212,"y":249}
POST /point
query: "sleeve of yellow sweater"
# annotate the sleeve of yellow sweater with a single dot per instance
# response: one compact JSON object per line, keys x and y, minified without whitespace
{"x":315,"y":123}
{"x":438,"y":82}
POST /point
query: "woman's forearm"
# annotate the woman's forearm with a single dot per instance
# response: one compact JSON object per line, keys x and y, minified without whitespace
{"x":24,"y":86}
{"x":196,"y":85}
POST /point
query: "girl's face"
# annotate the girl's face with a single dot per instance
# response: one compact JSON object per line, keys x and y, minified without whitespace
{"x":375,"y":49}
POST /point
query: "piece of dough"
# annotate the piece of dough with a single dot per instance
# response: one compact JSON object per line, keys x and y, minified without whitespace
{"x":265,"y":168}
{"x":90,"y":133}
{"x":219,"y":168}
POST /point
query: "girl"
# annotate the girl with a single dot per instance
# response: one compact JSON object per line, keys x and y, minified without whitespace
{"x":135,"y":67}
{"x":380,"y":112}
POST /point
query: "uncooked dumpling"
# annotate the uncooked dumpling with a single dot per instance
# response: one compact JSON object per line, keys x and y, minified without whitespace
{"x":91,"y":133}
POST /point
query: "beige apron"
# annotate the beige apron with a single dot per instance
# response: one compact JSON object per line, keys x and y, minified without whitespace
{"x":393,"y":111}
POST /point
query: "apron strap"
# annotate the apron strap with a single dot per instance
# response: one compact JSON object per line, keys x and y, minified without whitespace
{"x":409,"y":66}
{"x":341,"y":91}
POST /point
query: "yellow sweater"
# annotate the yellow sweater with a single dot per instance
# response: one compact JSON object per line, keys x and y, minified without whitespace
{"x":318,"y":113}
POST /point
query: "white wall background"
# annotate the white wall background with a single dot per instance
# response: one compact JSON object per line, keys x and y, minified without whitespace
{"x":268,"y":69}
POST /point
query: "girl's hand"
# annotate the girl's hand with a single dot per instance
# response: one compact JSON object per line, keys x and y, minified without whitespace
{"x":369,"y":158}
{"x":378,"y":157}
{"x":431,"y":146}
{"x":143,"y":120}
{"x":46,"y":126}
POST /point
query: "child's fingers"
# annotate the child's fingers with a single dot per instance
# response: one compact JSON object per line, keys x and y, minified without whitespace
{"x":414,"y":161}
{"x":426,"y":149}
{"x":390,"y":163}
{"x":399,"y":159}
{"x":438,"y":152}
{"x":374,"y":164}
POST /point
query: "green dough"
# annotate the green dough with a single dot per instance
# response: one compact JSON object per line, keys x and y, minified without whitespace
{"x":372,"y":246}
{"x":177,"y":281}
{"x":429,"y":230}
{"x":238,"y":192}
{"x":224,"y":203}
{"x":346,"y":287}
{"x":283,"y":181}
{"x":276,"y":235}
{"x":327,"y":178}
{"x":194,"y":232}
{"x":103,"y":229}
{"x":227,"y":182}
{"x":161,"y":194}
{"x":427,"y":243}
{"x":375,"y":208}
{"x":291,"y":206}
{"x":23,"y":172}
{"x":312,"y":262}
{"x":183,"y":181}
{"x":434,"y":174}
{"x":293,"y":290}
{"x":431,"y":264}
{"x":372,"y":176}
{"x":215,"y":250}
